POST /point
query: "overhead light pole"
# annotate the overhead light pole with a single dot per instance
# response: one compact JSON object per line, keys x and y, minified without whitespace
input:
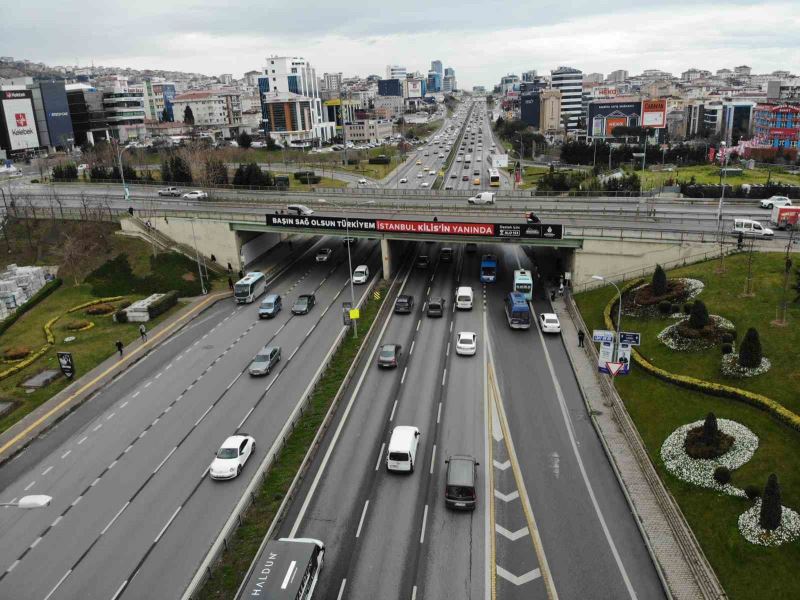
{"x":34,"y":501}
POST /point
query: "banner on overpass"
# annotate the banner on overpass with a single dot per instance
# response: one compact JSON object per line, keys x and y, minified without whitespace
{"x":542,"y":231}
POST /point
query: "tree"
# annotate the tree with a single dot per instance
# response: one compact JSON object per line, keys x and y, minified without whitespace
{"x":216,"y":171}
{"x":771,"y":509}
{"x":166,"y":172}
{"x":244,"y":140}
{"x":165,"y":116}
{"x":180,"y":170}
{"x":659,"y":281}
{"x":710,"y":428}
{"x":251,"y":175}
{"x":188,"y":115}
{"x":271,"y":144}
{"x":750,"y":350}
{"x":699,"y":315}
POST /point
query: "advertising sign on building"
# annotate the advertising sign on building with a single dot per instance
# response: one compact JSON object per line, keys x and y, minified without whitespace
{"x":413,"y":88}
{"x":19,"y":119}
{"x":654,"y":113}
{"x":614,"y":122}
{"x":605,"y":116}
{"x":56,"y":110}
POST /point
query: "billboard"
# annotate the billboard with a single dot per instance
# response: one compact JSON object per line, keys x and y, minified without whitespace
{"x":56,"y":111}
{"x":605,"y":116}
{"x":654,"y":113}
{"x":407,"y":226}
{"x":19,"y":119}
{"x":413,"y":88}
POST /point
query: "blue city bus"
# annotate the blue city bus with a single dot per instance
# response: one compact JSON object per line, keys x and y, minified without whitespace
{"x":488,"y":268}
{"x":523,"y":283}
{"x":518,"y":311}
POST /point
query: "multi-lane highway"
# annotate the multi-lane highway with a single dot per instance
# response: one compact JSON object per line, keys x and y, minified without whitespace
{"x":550,"y":513}
{"x":133,"y":510}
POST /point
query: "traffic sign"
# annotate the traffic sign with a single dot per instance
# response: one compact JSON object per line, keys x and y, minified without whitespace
{"x":627,"y":337}
{"x":602,"y":335}
{"x":614,"y":367}
{"x":355,"y":314}
{"x":346,"y":308}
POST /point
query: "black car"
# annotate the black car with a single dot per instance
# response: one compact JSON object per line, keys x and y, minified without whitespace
{"x":389,"y":356}
{"x":532,"y":218}
{"x":404,"y":304}
{"x":446,"y":255}
{"x":436,"y":307}
{"x":423,"y":261}
{"x":460,"y":482}
{"x":303,"y":304}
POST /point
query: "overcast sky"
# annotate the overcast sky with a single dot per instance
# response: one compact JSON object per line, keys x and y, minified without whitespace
{"x":481,"y":40}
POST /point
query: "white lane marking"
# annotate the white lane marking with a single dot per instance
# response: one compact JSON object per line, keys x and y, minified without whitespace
{"x":451,"y":327}
{"x":380,"y":456}
{"x":47,"y":470}
{"x":57,"y":521}
{"x":361,"y":521}
{"x":166,"y":410}
{"x":111,"y":522}
{"x":60,"y":581}
{"x":308,"y":333}
{"x":341,"y":589}
{"x":148,"y":384}
{"x":439,"y":413}
{"x":95,"y":482}
{"x":144,"y":433}
{"x":447,"y":352}
{"x":166,"y":458}
{"x":29,"y":486}
{"x":14,"y":564}
{"x":428,"y":293}
{"x":135,"y":394}
{"x":444,"y":375}
{"x":511,"y":535}
{"x":419,"y":322}
{"x":424,"y":522}
{"x":110,"y":416}
{"x":124,"y":404}
{"x":66,"y":454}
{"x":157,"y":375}
{"x":501,"y":465}
{"x":394,"y":407}
{"x":78,"y":499}
{"x":403,"y":378}
{"x":36,"y":542}
{"x":410,"y":352}
{"x":506,"y":497}
{"x":518,"y":580}
{"x":249,"y":412}
{"x":119,"y":590}
{"x":235,"y":379}
{"x":128,"y":449}
{"x":154,"y":422}
{"x":169,"y":366}
{"x":163,"y":529}
{"x":203,"y":416}
{"x":97,"y":427}
{"x":291,"y":356}
{"x":433,"y":458}
{"x":112,"y":465}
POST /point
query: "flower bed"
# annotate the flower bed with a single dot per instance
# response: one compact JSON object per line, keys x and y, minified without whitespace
{"x":750,"y":528}
{"x":634,"y":305}
{"x":700,"y":471}
{"x":674,"y":338}
{"x":731,"y":367}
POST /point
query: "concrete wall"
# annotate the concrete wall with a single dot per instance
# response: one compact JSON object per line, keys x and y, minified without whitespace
{"x":254,"y":245}
{"x":612,"y":258}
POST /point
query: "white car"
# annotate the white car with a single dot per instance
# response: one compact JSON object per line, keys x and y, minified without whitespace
{"x":195,"y":195}
{"x":404,"y":180}
{"x":324,"y":254}
{"x":232,"y":456}
{"x":466,"y":343}
{"x":775,"y":201}
{"x":423,"y":184}
{"x":362,"y":181}
{"x":361,"y":274}
{"x":549,"y":323}
{"x":419,"y":175}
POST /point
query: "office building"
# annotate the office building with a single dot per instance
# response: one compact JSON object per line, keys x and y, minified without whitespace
{"x":528,"y":76}
{"x":569,"y":82}
{"x":158,"y":96}
{"x":225,"y":79}
{"x":449,"y":72}
{"x":368,"y":131}
{"x":395,"y":72}
{"x":508,"y":84}
{"x":210,"y":108}
{"x":50,"y":112}
{"x":550,"y":112}
{"x":593,"y":78}
{"x":434,"y":81}
{"x":390,"y":87}
{"x":85,"y":104}
{"x":389,"y":107}
{"x":436,"y":65}
{"x":617,"y":76}
{"x":124,"y":114}
{"x":288,"y":118}
{"x":777,"y":125}
{"x":414,"y":87}
{"x":530,"y":106}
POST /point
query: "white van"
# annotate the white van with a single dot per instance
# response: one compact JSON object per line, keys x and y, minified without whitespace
{"x":464,"y":298}
{"x":402,"y":452}
{"x":749,"y":227}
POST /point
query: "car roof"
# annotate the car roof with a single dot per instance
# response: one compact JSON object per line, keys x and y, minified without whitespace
{"x":268,"y":348}
{"x":390,"y":346}
{"x":270,"y":298}
{"x":361,"y":268}
{"x":549,"y":316}
{"x":234,"y":441}
{"x":469,"y":333}
{"x":461,"y":470}
{"x":304,"y":296}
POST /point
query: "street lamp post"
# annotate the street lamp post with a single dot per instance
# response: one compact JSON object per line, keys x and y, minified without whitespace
{"x":34,"y":501}
{"x":619,"y":313}
{"x":197,"y":256}
{"x":720,"y":231}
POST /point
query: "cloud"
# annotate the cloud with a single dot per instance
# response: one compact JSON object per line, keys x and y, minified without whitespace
{"x":481,"y":40}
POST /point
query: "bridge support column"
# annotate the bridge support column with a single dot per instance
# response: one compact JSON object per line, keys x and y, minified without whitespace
{"x":386,"y":258}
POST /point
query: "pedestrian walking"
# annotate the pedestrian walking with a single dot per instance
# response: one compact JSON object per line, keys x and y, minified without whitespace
{"x":119,"y":348}
{"x":241,"y":274}
{"x":581,"y":335}
{"x":213,"y":258}
{"x":230,"y":283}
{"x":552,"y":295}
{"x":230,"y":268}
{"x":561,"y":289}
{"x":143,"y":332}
{"x":130,"y":210}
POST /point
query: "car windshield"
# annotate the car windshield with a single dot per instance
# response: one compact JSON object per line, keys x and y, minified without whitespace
{"x":227,"y":453}
{"x":267,"y":305}
{"x":301,"y":301}
{"x":387,"y":352}
{"x":360,"y":271}
{"x":261,"y":358}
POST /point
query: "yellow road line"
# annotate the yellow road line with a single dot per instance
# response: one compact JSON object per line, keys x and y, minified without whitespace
{"x":547,"y":577}
{"x":86,"y":386}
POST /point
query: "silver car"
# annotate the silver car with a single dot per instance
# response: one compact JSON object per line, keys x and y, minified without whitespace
{"x":266,"y":358}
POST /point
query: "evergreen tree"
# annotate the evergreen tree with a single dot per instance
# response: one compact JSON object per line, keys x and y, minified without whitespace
{"x":271,"y":145}
{"x":166,"y":172}
{"x":239,"y":176}
{"x":771,"y":509}
{"x":188,"y":115}
{"x":659,"y":281}
{"x":165,"y":116}
{"x":750,"y":350}
{"x":181,"y":173}
{"x":244,"y":140}
{"x":699,"y":316}
{"x":710,"y":428}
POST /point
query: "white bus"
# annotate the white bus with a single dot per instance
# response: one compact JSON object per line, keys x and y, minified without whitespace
{"x":467,"y":159}
{"x":250,"y":287}
{"x":523,"y":283}
{"x":286,"y":569}
{"x":494,"y":178}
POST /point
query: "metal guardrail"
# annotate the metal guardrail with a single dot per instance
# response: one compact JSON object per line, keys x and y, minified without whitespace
{"x":704,"y":574}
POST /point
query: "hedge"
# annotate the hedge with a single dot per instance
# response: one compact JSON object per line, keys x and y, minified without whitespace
{"x":379,"y":160}
{"x":311,"y":179}
{"x":301,"y":174}
{"x":163,"y":304}
{"x":24,"y":363}
{"x":44,"y":292}
{"x":776,"y":409}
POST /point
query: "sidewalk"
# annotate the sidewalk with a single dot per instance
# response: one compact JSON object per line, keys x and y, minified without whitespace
{"x":679,"y":560}
{"x":19,"y":435}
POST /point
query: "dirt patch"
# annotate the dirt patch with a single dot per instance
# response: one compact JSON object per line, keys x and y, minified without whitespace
{"x":189,"y":277}
{"x":676,"y":292}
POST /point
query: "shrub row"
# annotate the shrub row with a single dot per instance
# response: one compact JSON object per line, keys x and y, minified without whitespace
{"x":24,"y":363}
{"x":169,"y":271}
{"x":760,"y":401}
{"x":47,"y":289}
{"x":163,"y":304}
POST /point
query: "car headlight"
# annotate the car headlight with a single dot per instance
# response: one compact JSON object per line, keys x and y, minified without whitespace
{"x":232,"y":469}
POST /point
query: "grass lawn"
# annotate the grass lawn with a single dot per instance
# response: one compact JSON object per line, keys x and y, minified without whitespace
{"x":722,"y":296}
{"x":89,"y":349}
{"x":422,"y":130}
{"x":228,"y":573}
{"x":326,"y":182}
{"x":658,"y":408}
{"x":709,"y":174}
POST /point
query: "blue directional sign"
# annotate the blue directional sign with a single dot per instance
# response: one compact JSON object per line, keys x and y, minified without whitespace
{"x":627,"y":337}
{"x":602,"y":335}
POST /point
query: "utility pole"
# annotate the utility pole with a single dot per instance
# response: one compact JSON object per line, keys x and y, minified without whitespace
{"x":720,"y":231}
{"x":748,"y":284}
{"x":780,"y":320}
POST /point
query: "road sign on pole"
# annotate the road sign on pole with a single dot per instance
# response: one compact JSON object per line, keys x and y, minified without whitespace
{"x":630,"y":338}
{"x":614,"y":367}
{"x":346,"y":307}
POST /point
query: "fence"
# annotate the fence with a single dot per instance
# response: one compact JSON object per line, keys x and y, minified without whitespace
{"x":704,"y":575}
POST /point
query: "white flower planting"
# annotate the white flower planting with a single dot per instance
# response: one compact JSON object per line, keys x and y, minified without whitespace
{"x":671,"y":337}
{"x":700,"y":471}
{"x":750,"y":528}
{"x":732,"y":368}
